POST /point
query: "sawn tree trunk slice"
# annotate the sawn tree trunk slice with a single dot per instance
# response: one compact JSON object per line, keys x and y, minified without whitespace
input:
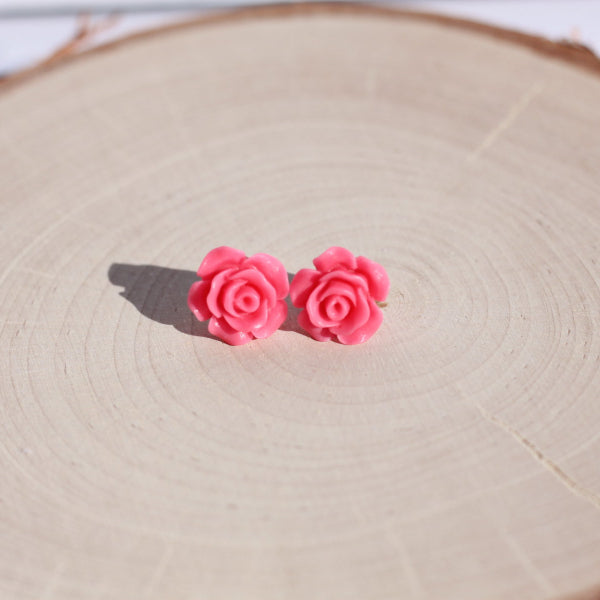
{"x":456,"y":455}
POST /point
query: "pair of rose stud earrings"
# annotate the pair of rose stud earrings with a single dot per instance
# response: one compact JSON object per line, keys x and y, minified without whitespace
{"x":244,"y":297}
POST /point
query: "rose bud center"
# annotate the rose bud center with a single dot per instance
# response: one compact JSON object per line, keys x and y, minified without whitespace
{"x":336,"y":307}
{"x":247,"y":300}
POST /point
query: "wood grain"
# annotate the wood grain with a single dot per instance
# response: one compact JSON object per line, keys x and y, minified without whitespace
{"x":455,"y":455}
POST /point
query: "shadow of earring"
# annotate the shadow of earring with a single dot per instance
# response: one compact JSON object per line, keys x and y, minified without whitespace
{"x":160,"y":294}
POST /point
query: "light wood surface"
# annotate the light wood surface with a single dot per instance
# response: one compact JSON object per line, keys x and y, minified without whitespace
{"x":456,"y":455}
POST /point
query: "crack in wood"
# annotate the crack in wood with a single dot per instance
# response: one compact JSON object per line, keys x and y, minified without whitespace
{"x":513,"y":112}
{"x":572,"y":485}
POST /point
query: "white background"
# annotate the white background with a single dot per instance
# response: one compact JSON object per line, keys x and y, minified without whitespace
{"x":31,"y":30}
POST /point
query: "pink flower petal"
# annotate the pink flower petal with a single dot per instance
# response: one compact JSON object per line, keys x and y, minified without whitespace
{"x":318,"y":333}
{"x":197,"y":300}
{"x":353,"y":279}
{"x":220,"y":258}
{"x":219,"y":328}
{"x":336,"y":307}
{"x":246,"y":299}
{"x":277,"y":316}
{"x":317,"y":316}
{"x":336,"y":287}
{"x":377,"y":278}
{"x":316,"y":305}
{"x":228,"y":295}
{"x":257,"y":280}
{"x":358,"y":316}
{"x":273,"y":270}
{"x":302,"y":285}
{"x":362,"y":334}
{"x":250,"y":321}
{"x":334,"y":258}
{"x":217,"y":282}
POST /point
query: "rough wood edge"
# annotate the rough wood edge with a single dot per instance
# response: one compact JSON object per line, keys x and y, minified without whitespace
{"x":575,"y":54}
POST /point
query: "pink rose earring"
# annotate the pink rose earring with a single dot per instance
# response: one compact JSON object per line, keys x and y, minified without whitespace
{"x":244,"y":298}
{"x":340,"y":297}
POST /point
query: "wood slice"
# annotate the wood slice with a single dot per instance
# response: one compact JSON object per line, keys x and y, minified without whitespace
{"x":455,"y":455}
